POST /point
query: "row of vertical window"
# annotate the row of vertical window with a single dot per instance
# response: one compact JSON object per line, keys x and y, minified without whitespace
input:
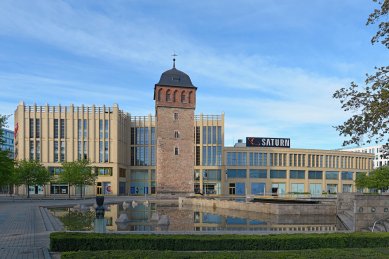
{"x":293,"y":174}
{"x":140,"y":156}
{"x":212,"y":155}
{"x":35,"y":128}
{"x":260,"y":188}
{"x":59,"y":128}
{"x":140,"y":136}
{"x":212,"y":135}
{"x":297,"y":160}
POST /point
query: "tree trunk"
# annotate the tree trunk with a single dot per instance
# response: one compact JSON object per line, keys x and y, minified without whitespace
{"x":69,"y":191}
{"x":28,"y":191}
{"x":81,"y":191}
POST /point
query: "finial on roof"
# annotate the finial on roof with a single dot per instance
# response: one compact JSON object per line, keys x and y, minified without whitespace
{"x":174,"y":59}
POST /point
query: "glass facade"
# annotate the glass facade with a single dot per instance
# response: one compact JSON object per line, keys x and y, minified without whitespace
{"x":297,"y":174}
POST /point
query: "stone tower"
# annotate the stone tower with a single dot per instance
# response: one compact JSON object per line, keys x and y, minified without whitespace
{"x":175,"y":102}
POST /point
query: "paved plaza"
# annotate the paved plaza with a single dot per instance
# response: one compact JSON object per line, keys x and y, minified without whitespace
{"x":25,"y":226}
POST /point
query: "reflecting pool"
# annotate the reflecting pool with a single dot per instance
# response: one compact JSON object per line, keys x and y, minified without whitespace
{"x":167,"y":216}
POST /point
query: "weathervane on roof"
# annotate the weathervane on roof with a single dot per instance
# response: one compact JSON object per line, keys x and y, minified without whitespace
{"x":174,"y":59}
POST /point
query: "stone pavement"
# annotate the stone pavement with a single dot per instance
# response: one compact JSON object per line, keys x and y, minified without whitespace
{"x":22,"y":231}
{"x":25,"y":225}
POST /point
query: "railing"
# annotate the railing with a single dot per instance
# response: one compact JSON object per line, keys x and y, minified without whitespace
{"x":375,"y":223}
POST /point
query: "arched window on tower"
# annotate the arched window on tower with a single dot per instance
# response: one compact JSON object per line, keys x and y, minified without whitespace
{"x":160,"y":94}
{"x":190,"y":96}
{"x":175,"y":96}
{"x":168,"y":97}
{"x":183,"y":97}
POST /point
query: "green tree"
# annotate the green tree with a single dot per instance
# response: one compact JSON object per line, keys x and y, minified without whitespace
{"x":377,"y":179}
{"x":369,"y":104}
{"x":77,"y":173}
{"x":30,"y":173}
{"x":6,"y":162}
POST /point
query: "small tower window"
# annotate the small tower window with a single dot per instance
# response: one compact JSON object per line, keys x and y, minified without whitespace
{"x":176,"y":151}
{"x":176,"y":134}
{"x":159,"y":94}
{"x":168,"y":97}
{"x":176,"y":116}
{"x":183,"y":97}
{"x":175,"y":96}
{"x":190,"y":96}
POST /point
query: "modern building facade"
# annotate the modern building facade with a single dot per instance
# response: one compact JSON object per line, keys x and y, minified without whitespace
{"x":173,"y":152}
{"x":8,"y":142}
{"x":376,"y":150}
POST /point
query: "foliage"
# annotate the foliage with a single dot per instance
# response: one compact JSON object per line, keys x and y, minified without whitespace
{"x":311,"y":253}
{"x":31,"y":172}
{"x":78,"y":220}
{"x":370,"y":104}
{"x":6,"y":168}
{"x":77,"y":173}
{"x":377,"y":179}
{"x":6,"y":163}
{"x":71,"y":241}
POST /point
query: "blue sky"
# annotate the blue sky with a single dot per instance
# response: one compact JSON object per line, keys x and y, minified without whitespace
{"x":270,"y":65}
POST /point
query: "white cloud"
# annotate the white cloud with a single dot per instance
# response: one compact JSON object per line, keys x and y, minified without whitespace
{"x":280,"y":96}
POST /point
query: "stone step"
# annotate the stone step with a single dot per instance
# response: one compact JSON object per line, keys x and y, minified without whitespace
{"x":347,"y":221}
{"x":349,"y":213}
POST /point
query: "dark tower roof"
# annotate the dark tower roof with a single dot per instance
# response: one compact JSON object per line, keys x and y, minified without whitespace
{"x":175,"y":77}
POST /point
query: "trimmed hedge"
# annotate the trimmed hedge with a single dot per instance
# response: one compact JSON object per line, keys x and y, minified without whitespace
{"x":316,"y":253}
{"x":75,"y":241}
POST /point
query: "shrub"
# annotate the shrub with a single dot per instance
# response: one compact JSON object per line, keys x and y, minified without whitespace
{"x":74,"y":241}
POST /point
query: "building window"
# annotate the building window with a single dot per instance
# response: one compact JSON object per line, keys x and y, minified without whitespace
{"x":297,"y":174}
{"x":332,"y":188}
{"x":38,"y":151}
{"x":159,"y":94}
{"x":55,"y":128}
{"x":107,"y":171}
{"x":101,"y":129}
{"x":168,"y":97}
{"x":176,"y":134}
{"x":183,"y":97}
{"x":85,"y":129}
{"x":281,"y":174}
{"x":31,"y":128}
{"x":347,"y":175}
{"x":231,"y":188}
{"x":62,"y":158}
{"x":236,"y":173}
{"x":236,"y":158}
{"x":62,"y":124}
{"x":85,"y":150}
{"x":122,"y":172}
{"x":258,"y":173}
{"x":31,"y":150}
{"x":176,"y":151}
{"x":315,"y":175}
{"x":100,"y":151}
{"x":347,"y":188}
{"x":79,"y":126}
{"x":79,"y":151}
{"x":37,"y":128}
{"x":55,"y":151}
{"x":176,"y":116}
{"x":297,"y":187}
{"x":106,"y":129}
{"x":106,"y":151}
{"x":332,"y":175}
